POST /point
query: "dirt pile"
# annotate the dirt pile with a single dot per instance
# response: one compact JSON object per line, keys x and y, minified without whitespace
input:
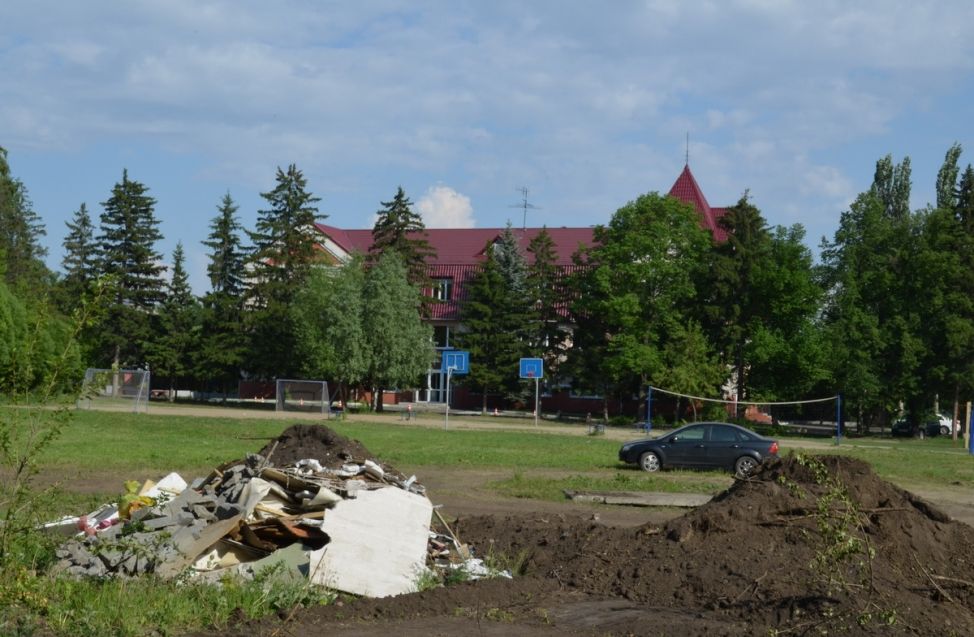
{"x":299,"y":442}
{"x":804,"y":546}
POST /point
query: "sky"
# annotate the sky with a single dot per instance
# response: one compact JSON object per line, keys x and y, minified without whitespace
{"x":587,"y":105}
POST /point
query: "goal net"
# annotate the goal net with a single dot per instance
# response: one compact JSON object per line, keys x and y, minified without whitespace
{"x":303,"y":395}
{"x":126,"y":389}
{"x":821,"y":416}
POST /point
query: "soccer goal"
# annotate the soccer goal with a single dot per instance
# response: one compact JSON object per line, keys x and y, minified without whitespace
{"x":303,"y":395}
{"x":126,"y":389}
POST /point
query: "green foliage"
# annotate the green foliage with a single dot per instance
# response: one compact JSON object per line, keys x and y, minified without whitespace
{"x":546,"y":288}
{"x":400,"y":345}
{"x":129,"y":233}
{"x":35,"y":347}
{"x":496,"y":321}
{"x":892,"y":185}
{"x":330,"y":321}
{"x":282,"y":256}
{"x":145,"y":606}
{"x":21,"y":254}
{"x":81,"y":259}
{"x":634,"y":288}
{"x":172,"y":348}
{"x":223,"y":342}
{"x":401,"y":230}
{"x":29,"y":427}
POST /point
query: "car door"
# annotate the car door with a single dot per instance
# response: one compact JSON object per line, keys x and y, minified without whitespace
{"x":688,"y":447}
{"x":724,"y":446}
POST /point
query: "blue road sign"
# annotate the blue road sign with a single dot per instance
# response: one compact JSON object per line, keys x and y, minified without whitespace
{"x":458,"y":361}
{"x":532,"y":368}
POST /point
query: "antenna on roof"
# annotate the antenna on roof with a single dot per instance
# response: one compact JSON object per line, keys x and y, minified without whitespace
{"x":688,"y":149}
{"x":524,"y":205}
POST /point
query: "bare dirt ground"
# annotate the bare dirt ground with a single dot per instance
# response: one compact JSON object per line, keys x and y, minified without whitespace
{"x":740,"y":565}
{"x":799,"y":548}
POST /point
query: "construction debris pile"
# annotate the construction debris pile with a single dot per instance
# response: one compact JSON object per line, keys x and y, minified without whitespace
{"x":311,"y":500}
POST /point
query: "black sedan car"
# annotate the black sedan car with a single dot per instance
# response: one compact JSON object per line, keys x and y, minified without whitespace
{"x":704,"y":445}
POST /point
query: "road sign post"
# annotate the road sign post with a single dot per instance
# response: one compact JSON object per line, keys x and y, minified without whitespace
{"x":533,"y":368}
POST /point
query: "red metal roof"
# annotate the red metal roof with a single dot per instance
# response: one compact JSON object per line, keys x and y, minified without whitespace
{"x":465,"y":246}
{"x":686,"y":189}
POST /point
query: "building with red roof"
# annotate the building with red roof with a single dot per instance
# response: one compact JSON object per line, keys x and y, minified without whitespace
{"x":459,"y":253}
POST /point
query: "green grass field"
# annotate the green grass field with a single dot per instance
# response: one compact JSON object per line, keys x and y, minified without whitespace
{"x":154,"y":444}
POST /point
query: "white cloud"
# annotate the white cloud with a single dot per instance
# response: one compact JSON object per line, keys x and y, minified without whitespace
{"x":444,"y":207}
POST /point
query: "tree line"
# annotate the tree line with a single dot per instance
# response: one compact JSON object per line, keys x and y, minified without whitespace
{"x":885,"y":316}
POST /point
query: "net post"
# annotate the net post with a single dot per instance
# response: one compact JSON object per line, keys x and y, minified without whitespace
{"x":648,"y":426}
{"x":838,"y":419}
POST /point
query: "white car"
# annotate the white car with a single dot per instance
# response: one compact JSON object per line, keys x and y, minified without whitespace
{"x":945,"y":424}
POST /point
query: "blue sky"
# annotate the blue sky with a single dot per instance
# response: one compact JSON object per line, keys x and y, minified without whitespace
{"x":586,"y":104}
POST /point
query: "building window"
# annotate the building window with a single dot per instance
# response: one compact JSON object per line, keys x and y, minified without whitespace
{"x":442,"y":289}
{"x":441,"y":336}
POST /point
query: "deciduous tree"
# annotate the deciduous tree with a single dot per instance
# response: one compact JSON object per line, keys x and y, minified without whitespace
{"x":400,"y":343}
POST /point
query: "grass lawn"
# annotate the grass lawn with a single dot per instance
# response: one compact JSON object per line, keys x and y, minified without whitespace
{"x":150,"y":445}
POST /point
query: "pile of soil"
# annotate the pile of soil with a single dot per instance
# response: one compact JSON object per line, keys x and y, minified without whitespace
{"x":739,"y":565}
{"x":302,"y":441}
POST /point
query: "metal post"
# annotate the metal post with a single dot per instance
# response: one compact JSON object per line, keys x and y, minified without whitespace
{"x":838,"y":419}
{"x":970,"y":437}
{"x":537,"y":405}
{"x":449,"y":373}
{"x":649,"y":409}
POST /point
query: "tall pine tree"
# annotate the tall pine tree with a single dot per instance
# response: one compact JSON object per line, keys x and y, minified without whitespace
{"x":495,"y":323}
{"x":172,"y":348}
{"x":547,"y":291}
{"x":21,"y":254}
{"x":400,"y":229}
{"x":223,"y":342}
{"x":129,"y":233}
{"x":283,"y":252}
{"x":81,"y":259}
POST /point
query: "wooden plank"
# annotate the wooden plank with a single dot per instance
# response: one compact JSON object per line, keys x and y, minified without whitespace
{"x":639,"y":498}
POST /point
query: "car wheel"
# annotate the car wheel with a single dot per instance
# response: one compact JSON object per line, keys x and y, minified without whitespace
{"x":944,"y":431}
{"x":744,"y":466}
{"x":649,"y":461}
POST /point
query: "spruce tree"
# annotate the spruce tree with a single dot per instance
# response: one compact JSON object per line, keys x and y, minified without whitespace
{"x":21,"y":254}
{"x":226,"y":266}
{"x":494,"y":334}
{"x":129,"y":233}
{"x":81,"y":258}
{"x":223,"y":342}
{"x":283,"y":253}
{"x":545,"y":282}
{"x":400,"y":229}
{"x":171,"y":349}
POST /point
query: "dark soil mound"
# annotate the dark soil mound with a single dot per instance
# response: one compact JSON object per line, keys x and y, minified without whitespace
{"x":804,"y":546}
{"x":318,"y":442}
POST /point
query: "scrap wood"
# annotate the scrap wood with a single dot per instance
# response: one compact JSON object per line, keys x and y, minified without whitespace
{"x":462,"y":548}
{"x":287,"y":480}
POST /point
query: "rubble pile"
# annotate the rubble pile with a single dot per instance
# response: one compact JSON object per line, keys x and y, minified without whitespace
{"x":324,"y":509}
